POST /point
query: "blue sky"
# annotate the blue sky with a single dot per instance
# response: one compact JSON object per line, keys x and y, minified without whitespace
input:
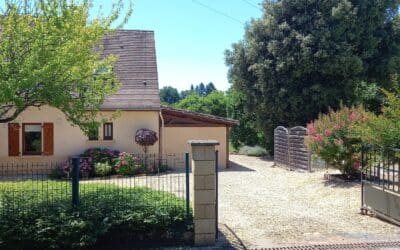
{"x":191,"y":39}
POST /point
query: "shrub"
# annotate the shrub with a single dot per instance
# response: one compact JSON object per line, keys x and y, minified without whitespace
{"x":253,"y":151}
{"x":384,"y":130}
{"x":57,"y":172}
{"x":145,"y":137}
{"x":106,"y":215}
{"x":334,"y":137}
{"x":100,"y":155}
{"x":127,"y":164}
{"x":102,"y":169}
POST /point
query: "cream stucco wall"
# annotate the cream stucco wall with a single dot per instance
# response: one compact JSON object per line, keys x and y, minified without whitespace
{"x":69,"y":140}
{"x":175,"y":140}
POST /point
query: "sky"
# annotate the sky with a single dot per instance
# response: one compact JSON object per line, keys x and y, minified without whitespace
{"x":192,"y":35}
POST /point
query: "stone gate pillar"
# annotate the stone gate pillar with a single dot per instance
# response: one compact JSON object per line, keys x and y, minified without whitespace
{"x":204,"y":191}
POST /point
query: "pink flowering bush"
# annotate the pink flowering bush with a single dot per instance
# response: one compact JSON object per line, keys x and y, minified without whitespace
{"x":127,"y":164}
{"x":334,"y":138}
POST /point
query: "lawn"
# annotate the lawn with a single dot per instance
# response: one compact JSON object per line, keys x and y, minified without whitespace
{"x":40,"y":214}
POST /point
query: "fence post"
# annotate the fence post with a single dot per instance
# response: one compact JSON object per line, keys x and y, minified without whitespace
{"x":216,"y":194}
{"x":204,"y":193}
{"x":75,"y":182}
{"x":187,"y":185}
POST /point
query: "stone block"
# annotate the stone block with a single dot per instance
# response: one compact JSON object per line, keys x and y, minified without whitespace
{"x":204,"y":239}
{"x":204,"y":226}
{"x":204,"y":211}
{"x":204,"y":197}
{"x":209,"y":182}
{"x":199,"y":181}
{"x":203,"y":167}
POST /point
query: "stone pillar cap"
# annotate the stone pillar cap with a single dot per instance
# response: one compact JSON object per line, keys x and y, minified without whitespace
{"x":203,"y":142}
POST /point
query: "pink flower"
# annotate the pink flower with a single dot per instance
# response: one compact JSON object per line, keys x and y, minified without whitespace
{"x":353,"y":116}
{"x":328,"y":132}
{"x":337,"y":127}
{"x":338,"y":142}
{"x":317,"y":138}
{"x":311,"y":128}
{"x":124,"y":162}
{"x":356,"y":165}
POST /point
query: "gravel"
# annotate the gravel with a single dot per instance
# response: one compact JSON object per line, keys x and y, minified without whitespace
{"x":272,"y":206}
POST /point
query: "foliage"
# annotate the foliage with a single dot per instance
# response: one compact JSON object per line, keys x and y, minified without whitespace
{"x":246,"y":133}
{"x":47,"y":57}
{"x":169,"y":95}
{"x":104,"y":161}
{"x":302,"y":57}
{"x":213,"y":104}
{"x":334,"y":138}
{"x":103,"y":155}
{"x":102,"y":169}
{"x":106,"y":214}
{"x":127,"y":164}
{"x":252,"y":151}
{"x":145,"y":137}
{"x":200,"y":89}
{"x":384,"y":129}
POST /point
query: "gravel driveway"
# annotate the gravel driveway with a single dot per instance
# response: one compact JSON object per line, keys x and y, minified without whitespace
{"x":271,"y":206}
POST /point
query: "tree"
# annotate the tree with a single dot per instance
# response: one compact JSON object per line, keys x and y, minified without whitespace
{"x":245,"y":133}
{"x":213,"y":104}
{"x":51,"y":54}
{"x":209,"y":88}
{"x":305,"y":56}
{"x":169,"y":95}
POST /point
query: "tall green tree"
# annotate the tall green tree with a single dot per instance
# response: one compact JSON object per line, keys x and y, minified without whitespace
{"x":50,"y":54}
{"x":304,"y":56}
{"x":210,"y":88}
{"x":246,"y":132}
{"x":213,"y":104}
{"x":169,"y":95}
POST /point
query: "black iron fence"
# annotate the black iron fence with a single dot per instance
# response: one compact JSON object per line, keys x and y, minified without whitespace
{"x":381,"y":167}
{"x":158,"y":180}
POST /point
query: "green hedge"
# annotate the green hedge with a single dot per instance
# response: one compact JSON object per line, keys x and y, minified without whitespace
{"x":41,"y":216}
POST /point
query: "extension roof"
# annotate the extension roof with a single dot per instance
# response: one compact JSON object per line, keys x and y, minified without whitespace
{"x":136,"y":68}
{"x":174,"y":117}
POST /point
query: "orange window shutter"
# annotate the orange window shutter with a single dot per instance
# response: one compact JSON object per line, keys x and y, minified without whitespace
{"x":13,"y":139}
{"x":48,"y":138}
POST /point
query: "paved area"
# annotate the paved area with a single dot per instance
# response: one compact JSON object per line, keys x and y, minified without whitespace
{"x":266,"y":206}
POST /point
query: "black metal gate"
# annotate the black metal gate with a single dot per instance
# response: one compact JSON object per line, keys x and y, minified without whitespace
{"x":380,"y":182}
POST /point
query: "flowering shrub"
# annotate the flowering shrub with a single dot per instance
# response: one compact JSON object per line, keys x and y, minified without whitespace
{"x":334,"y":137}
{"x":102,"y":169}
{"x":100,"y":155}
{"x":145,"y":137}
{"x":85,"y":167}
{"x":127,"y":164}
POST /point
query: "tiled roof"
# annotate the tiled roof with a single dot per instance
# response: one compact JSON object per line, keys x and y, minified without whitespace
{"x":189,"y":115}
{"x":136,"y":68}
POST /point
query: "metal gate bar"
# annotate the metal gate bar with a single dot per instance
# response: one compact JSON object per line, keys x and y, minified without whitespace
{"x":216,"y":194}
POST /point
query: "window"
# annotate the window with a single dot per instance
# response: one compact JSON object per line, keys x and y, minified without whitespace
{"x":32,"y":139}
{"x":93,"y":134}
{"x":108,"y":131}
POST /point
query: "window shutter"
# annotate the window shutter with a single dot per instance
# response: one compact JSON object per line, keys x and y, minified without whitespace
{"x":13,"y":139}
{"x":48,"y":139}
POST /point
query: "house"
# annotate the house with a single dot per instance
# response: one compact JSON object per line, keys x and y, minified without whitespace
{"x":44,"y":135}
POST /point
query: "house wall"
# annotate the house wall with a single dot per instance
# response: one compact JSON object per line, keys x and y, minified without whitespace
{"x":69,"y":140}
{"x":176,"y":138}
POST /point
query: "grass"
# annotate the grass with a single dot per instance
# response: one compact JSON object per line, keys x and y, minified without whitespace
{"x":40,"y":213}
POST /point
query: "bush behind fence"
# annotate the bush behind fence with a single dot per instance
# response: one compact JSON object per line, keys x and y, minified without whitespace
{"x":148,"y":203}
